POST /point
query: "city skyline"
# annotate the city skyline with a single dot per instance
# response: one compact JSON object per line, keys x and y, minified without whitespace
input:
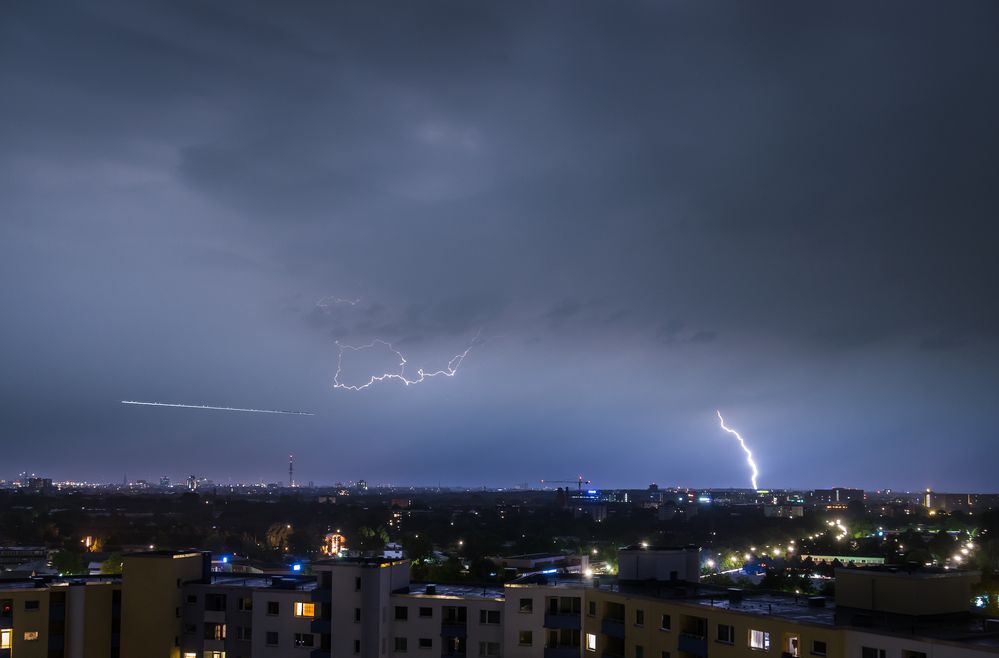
{"x":497,"y":244}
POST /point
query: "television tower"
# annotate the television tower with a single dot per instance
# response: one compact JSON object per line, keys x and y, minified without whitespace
{"x":291,"y":471}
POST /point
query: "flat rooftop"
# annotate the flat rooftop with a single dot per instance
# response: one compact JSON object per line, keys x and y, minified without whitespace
{"x":785,"y":606}
{"x":419,"y":590}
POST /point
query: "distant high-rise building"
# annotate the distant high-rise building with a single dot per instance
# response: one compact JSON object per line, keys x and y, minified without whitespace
{"x":192,"y":483}
{"x":291,"y":470}
{"x":165,"y":482}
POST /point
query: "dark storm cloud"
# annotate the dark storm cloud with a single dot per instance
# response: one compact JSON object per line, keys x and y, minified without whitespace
{"x":661,"y":207}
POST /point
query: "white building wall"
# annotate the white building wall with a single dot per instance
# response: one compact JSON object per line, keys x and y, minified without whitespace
{"x":894,"y":646}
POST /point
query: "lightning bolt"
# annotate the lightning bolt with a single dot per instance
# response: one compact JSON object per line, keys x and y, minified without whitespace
{"x":745,"y":448}
{"x":213,"y":408}
{"x":421,"y":374}
{"x":327,"y":302}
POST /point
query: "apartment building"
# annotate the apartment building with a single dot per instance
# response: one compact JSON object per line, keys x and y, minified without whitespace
{"x":60,"y":618}
{"x":170,"y":605}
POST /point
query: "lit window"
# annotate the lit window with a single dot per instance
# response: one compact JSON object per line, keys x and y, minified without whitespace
{"x":30,"y":635}
{"x":190,"y":654}
{"x":591,"y":642}
{"x":525,"y":638}
{"x":305,"y":609}
{"x":5,"y":637}
{"x":759,"y":640}
{"x":215,"y":654}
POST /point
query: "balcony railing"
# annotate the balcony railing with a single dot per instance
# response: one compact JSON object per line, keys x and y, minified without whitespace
{"x":612,"y":627}
{"x":454,"y":629}
{"x":693,"y":643}
{"x":562,"y":620}
{"x":562,"y":652}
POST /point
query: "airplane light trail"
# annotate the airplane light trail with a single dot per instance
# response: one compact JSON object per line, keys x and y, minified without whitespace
{"x":422,"y":375}
{"x":205,"y":406}
{"x":745,"y":448}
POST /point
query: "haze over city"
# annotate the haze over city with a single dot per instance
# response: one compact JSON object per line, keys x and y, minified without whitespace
{"x":625,"y":217}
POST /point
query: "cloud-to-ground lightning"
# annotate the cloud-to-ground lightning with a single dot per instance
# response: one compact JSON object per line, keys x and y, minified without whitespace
{"x":421,"y":374}
{"x":745,"y":448}
{"x":213,"y":408}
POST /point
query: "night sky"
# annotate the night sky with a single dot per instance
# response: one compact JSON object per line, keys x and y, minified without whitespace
{"x":651,"y":210}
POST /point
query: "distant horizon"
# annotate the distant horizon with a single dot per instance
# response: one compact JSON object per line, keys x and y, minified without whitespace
{"x":229,"y":481}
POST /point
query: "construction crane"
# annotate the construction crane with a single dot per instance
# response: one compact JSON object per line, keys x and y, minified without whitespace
{"x":579,"y":482}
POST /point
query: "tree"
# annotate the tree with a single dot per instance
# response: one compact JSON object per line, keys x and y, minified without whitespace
{"x":417,"y":547}
{"x":278,"y":535}
{"x":373,"y":539}
{"x":69,"y":563}
{"x":112,"y":564}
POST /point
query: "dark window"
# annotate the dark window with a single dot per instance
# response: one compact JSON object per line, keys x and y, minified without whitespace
{"x":357,"y":614}
{"x":215,"y":602}
{"x":272,"y":638}
{"x":31,"y":605}
{"x":401,"y":613}
{"x":527,"y":605}
{"x":273,"y":608}
{"x":357,"y":584}
{"x":664,"y":654}
{"x":818,"y":647}
{"x":192,"y":598}
{"x":591,"y":608}
{"x":400,"y":644}
{"x":304,"y":640}
{"x":908,"y":653}
{"x":525,"y":638}
{"x":426,"y":643}
{"x":665,"y":623}
{"x":489,"y":616}
{"x":426,"y":612}
{"x":639,"y":651}
{"x":357,"y":643}
{"x":871,"y":652}
{"x":244,"y":603}
{"x":726,"y":634}
{"x":455,"y":614}
{"x":190,"y":629}
{"x":639,"y":617}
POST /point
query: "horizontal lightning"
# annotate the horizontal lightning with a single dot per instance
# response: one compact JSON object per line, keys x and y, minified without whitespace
{"x":421,"y":375}
{"x":745,"y":448}
{"x":326,"y":302}
{"x":213,"y":408}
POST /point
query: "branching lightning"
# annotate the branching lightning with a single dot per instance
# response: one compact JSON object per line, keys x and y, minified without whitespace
{"x":213,"y":408}
{"x":327,"y":302}
{"x":745,"y":448}
{"x":421,"y":374}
